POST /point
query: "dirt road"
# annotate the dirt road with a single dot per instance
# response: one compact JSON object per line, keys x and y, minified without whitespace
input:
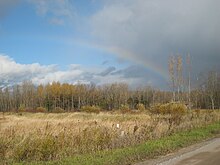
{"x":206,"y":153}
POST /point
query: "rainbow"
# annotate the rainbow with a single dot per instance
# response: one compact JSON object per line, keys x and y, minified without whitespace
{"x":124,"y":53}
{"x":147,"y":64}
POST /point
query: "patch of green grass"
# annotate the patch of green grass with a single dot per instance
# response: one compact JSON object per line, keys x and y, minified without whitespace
{"x":149,"y":149}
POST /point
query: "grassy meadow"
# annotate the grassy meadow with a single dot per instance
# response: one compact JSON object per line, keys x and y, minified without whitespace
{"x":45,"y":137}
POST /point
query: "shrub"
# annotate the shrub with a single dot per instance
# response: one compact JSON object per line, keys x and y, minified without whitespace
{"x":155,"y":109}
{"x":58,"y":110}
{"x":3,"y":148}
{"x":30,"y":110}
{"x":124,"y":108}
{"x":95,"y":138}
{"x":21,"y":108}
{"x":91,"y":109}
{"x":198,"y":112}
{"x":170,"y":108}
{"x":140,"y":107}
{"x":41,"y":109}
{"x":173,"y":109}
{"x":44,"y":148}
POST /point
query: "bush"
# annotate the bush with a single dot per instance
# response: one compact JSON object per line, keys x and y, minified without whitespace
{"x":95,"y":138}
{"x":3,"y":148}
{"x":125,"y":108}
{"x":58,"y":110}
{"x":31,"y":110}
{"x":155,"y":109}
{"x":173,"y":109}
{"x":44,"y":148}
{"x":170,"y":108}
{"x":198,"y":112}
{"x":41,"y":109}
{"x":91,"y":109}
{"x":21,"y":108}
{"x":140,"y":107}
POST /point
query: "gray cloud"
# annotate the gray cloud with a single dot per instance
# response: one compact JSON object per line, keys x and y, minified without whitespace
{"x":6,"y":5}
{"x":148,"y":31}
{"x":142,"y":75}
{"x":105,"y":62}
{"x":133,"y":71}
{"x":107,"y":71}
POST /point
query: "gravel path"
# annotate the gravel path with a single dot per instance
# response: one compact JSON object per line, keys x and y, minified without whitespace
{"x":205,"y":153}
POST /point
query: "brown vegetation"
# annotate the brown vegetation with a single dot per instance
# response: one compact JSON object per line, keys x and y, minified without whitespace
{"x":47,"y":136}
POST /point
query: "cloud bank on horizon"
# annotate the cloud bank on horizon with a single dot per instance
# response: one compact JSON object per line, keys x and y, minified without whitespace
{"x":143,"y":32}
{"x":12,"y":73}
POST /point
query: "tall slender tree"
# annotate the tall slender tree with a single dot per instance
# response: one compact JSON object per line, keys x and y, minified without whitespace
{"x":171,"y":63}
{"x":179,"y":72}
{"x":188,"y":61}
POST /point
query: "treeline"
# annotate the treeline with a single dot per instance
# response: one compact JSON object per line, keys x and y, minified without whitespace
{"x":70,"y":97}
{"x":207,"y":92}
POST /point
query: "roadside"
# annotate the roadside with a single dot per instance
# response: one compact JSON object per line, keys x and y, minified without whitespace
{"x":147,"y":150}
{"x":206,"y":152}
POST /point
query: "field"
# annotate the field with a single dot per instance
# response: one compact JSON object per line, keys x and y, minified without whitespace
{"x":28,"y":137}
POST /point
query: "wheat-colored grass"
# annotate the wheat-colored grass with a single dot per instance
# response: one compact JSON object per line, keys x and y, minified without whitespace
{"x":46,"y":136}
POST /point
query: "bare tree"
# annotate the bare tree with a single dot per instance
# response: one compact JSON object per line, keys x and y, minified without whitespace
{"x":179,"y":77}
{"x":172,"y":75}
{"x":211,"y":87}
{"x":188,"y":61}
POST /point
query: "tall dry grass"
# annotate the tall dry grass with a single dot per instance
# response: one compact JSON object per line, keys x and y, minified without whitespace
{"x":28,"y":136}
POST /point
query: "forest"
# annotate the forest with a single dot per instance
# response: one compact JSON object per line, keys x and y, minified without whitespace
{"x":68,"y":97}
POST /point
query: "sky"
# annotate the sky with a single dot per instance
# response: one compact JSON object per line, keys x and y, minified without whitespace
{"x":105,"y":41}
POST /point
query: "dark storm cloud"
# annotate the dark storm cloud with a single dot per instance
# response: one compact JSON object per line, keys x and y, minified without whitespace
{"x":133,"y":71}
{"x":148,"y":31}
{"x":141,"y":74}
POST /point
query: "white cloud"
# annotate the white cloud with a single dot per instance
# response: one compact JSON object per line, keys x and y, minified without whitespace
{"x":57,"y":10}
{"x":12,"y":72}
{"x":56,"y":21}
